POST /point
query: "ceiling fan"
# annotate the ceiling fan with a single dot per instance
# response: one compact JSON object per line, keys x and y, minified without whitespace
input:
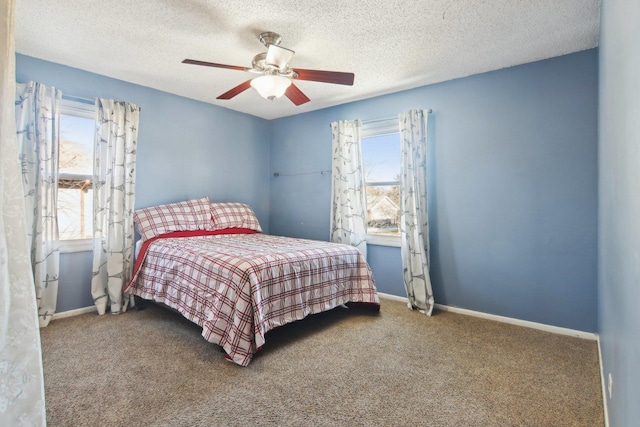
{"x":276,"y":77}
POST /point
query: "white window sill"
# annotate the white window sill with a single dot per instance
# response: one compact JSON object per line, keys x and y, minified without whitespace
{"x":77,"y":245}
{"x":383,"y":240}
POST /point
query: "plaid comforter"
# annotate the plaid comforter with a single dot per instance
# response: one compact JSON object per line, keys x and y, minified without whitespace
{"x":237,"y":287}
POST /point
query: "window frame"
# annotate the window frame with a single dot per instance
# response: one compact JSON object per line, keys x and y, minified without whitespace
{"x":370,"y":129}
{"x":70,"y":106}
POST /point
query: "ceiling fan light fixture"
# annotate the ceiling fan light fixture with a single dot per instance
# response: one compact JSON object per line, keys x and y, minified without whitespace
{"x":271,"y":86}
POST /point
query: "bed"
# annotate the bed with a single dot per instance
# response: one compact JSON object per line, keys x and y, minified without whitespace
{"x":222,"y":273}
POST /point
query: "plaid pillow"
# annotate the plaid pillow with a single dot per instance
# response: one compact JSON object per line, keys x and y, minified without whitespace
{"x":233,"y":215}
{"x":183,"y":216}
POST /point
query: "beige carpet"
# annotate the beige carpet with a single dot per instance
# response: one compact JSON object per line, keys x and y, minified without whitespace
{"x":346,"y":367}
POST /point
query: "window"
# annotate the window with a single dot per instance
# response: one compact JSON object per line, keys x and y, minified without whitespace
{"x":381,"y":162}
{"x":75,"y":174}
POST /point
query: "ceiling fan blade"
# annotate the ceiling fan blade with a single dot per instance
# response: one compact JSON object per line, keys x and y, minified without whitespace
{"x":278,"y":56}
{"x":334,"y":77}
{"x":236,"y":90}
{"x":213,"y":64}
{"x":295,"y":95}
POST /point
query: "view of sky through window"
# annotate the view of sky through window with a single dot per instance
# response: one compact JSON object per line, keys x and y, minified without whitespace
{"x":381,"y":158}
{"x":76,"y":140}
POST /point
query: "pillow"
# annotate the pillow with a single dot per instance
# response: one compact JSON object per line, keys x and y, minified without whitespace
{"x":182,"y":216}
{"x":233,"y":215}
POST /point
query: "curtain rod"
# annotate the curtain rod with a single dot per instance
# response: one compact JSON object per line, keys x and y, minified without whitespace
{"x":78,"y":99}
{"x":83,"y":100}
{"x":429,"y":111}
{"x":322,"y":172}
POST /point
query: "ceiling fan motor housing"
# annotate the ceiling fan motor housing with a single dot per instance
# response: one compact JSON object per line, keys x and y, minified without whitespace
{"x":268,"y":38}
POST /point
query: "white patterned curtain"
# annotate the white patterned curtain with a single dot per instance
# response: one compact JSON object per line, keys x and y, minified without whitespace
{"x":38,"y":130}
{"x":114,"y":175}
{"x":414,"y":217}
{"x":21,"y":380}
{"x":347,"y":190}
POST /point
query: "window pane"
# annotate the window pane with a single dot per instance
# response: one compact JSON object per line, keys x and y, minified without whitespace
{"x":383,"y":210}
{"x":76,"y":145}
{"x":75,"y":194}
{"x":75,"y":210}
{"x":381,"y":158}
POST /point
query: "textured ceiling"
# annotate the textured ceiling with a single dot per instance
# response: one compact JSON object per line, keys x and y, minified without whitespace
{"x":390,"y":45}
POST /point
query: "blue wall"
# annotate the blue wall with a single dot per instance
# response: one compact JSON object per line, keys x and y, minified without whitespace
{"x":619,"y":208}
{"x":74,"y":287}
{"x":186,"y":149}
{"x":513,"y":205}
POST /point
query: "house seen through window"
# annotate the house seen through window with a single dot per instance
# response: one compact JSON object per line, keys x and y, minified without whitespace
{"x":381,"y":160}
{"x":75,"y":171}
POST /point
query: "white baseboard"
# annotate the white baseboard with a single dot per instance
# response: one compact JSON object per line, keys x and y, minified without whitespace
{"x":510,"y":320}
{"x":603,"y":381}
{"x":393,"y":297}
{"x":75,"y":312}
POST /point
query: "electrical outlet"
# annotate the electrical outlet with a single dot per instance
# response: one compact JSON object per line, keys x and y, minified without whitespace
{"x":610,"y":386}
